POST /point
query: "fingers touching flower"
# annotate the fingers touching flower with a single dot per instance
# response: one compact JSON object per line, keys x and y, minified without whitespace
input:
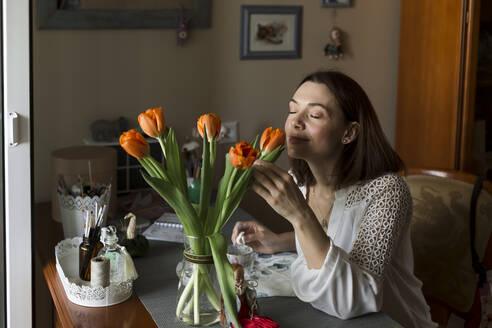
{"x":134,"y":144}
{"x":212,"y":123}
{"x":271,"y":139}
{"x":242,"y":155}
{"x":152,"y":122}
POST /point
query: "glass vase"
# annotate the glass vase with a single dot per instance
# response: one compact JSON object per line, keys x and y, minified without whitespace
{"x":198,"y":301}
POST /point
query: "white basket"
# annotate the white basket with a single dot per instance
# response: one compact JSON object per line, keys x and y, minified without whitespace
{"x":73,"y":209}
{"x":79,"y":291}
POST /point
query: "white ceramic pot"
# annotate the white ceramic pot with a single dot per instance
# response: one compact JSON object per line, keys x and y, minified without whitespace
{"x":73,"y":209}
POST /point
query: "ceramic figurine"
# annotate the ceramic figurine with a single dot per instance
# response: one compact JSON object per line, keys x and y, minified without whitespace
{"x":246,"y":295}
{"x":245,"y":291}
{"x":334,"y":50}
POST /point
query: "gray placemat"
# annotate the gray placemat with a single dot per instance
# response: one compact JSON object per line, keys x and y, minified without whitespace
{"x":157,"y":289}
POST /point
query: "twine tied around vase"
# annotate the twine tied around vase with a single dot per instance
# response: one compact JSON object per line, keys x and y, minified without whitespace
{"x":198,"y":259}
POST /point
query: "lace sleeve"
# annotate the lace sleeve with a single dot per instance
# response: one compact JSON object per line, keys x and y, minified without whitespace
{"x":387,"y":213}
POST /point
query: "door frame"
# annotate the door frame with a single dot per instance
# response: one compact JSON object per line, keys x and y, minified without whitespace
{"x":16,"y":58}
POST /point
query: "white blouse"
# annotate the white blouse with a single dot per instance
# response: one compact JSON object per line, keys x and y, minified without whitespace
{"x":369,"y":266}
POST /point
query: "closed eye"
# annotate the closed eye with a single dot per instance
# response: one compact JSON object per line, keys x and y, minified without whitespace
{"x":314,"y":116}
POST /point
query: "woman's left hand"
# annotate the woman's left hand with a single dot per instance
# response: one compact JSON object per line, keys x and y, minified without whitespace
{"x":279,"y":190}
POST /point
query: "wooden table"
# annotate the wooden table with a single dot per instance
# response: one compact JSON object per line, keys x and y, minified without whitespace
{"x":131,"y":313}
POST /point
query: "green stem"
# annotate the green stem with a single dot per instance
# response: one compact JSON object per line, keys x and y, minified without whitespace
{"x":184,"y":295}
{"x":153,"y":168}
{"x":158,"y":167}
{"x":189,"y":306}
{"x":206,"y":180}
{"x":209,"y":289}
{"x":196,"y":296}
{"x":186,"y":303}
{"x":148,"y":167}
{"x":163,"y":147}
{"x":226,"y":200}
{"x":213,"y":151}
{"x":231,"y":182}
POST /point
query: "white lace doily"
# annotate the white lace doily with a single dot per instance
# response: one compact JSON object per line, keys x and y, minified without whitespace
{"x":80,"y":292}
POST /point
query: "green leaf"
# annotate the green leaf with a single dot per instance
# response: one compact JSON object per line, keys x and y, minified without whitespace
{"x":232,"y":202}
{"x":149,"y":167}
{"x":175,"y":165}
{"x":211,"y":220}
{"x":206,"y":180}
{"x":178,"y":201}
{"x":225,"y":275}
{"x":244,"y":178}
{"x":255,"y":141}
{"x":273,"y":155}
{"x":160,"y":171}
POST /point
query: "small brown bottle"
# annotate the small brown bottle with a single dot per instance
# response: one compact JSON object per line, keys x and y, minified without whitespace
{"x":87,"y":251}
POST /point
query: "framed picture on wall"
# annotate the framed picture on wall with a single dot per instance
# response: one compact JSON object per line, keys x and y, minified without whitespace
{"x":335,"y":3}
{"x":121,"y":14}
{"x":270,"y":32}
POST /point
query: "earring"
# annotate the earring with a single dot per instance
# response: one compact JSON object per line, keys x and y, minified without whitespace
{"x":345,"y":141}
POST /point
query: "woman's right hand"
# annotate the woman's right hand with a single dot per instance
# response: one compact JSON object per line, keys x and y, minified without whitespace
{"x":257,"y":236}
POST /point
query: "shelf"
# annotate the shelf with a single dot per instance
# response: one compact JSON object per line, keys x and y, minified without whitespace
{"x":127,"y":170}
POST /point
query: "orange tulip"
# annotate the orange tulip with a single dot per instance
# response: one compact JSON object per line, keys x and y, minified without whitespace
{"x":242,"y":155}
{"x":134,"y":144}
{"x":212,"y":122}
{"x":152,"y":122}
{"x":271,"y":139}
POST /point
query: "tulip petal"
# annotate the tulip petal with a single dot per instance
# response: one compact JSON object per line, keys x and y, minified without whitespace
{"x":148,"y":125}
{"x":212,"y":122}
{"x":265,"y":137}
{"x":134,"y":144}
{"x":161,"y":121}
{"x":242,"y":155}
{"x":152,"y":122}
{"x":271,"y":139}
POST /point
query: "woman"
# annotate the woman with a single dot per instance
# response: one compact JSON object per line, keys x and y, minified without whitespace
{"x":349,"y":208}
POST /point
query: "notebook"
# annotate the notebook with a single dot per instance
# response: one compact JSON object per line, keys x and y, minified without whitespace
{"x":167,"y":228}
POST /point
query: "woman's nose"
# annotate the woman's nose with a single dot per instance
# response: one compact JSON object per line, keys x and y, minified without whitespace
{"x":297,"y":122}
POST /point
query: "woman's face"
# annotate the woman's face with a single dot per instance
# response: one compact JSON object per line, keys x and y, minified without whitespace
{"x":315,"y":125}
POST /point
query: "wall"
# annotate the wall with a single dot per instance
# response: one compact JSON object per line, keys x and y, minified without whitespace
{"x":81,"y":76}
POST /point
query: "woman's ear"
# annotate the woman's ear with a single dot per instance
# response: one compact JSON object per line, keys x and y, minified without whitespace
{"x":351,"y":133}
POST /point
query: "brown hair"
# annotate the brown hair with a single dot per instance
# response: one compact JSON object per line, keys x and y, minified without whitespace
{"x":369,"y":155}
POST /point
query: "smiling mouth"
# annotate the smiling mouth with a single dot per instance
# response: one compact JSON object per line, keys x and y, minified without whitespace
{"x":296,"y":140}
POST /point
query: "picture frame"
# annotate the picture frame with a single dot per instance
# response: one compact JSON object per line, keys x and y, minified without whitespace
{"x":50,"y":16}
{"x":270,"y":32}
{"x":335,"y":3}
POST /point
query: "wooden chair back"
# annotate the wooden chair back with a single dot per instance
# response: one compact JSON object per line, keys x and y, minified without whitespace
{"x":440,"y":311}
{"x":451,"y":174}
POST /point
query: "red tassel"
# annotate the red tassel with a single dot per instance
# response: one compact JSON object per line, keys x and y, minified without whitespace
{"x":256,"y":322}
